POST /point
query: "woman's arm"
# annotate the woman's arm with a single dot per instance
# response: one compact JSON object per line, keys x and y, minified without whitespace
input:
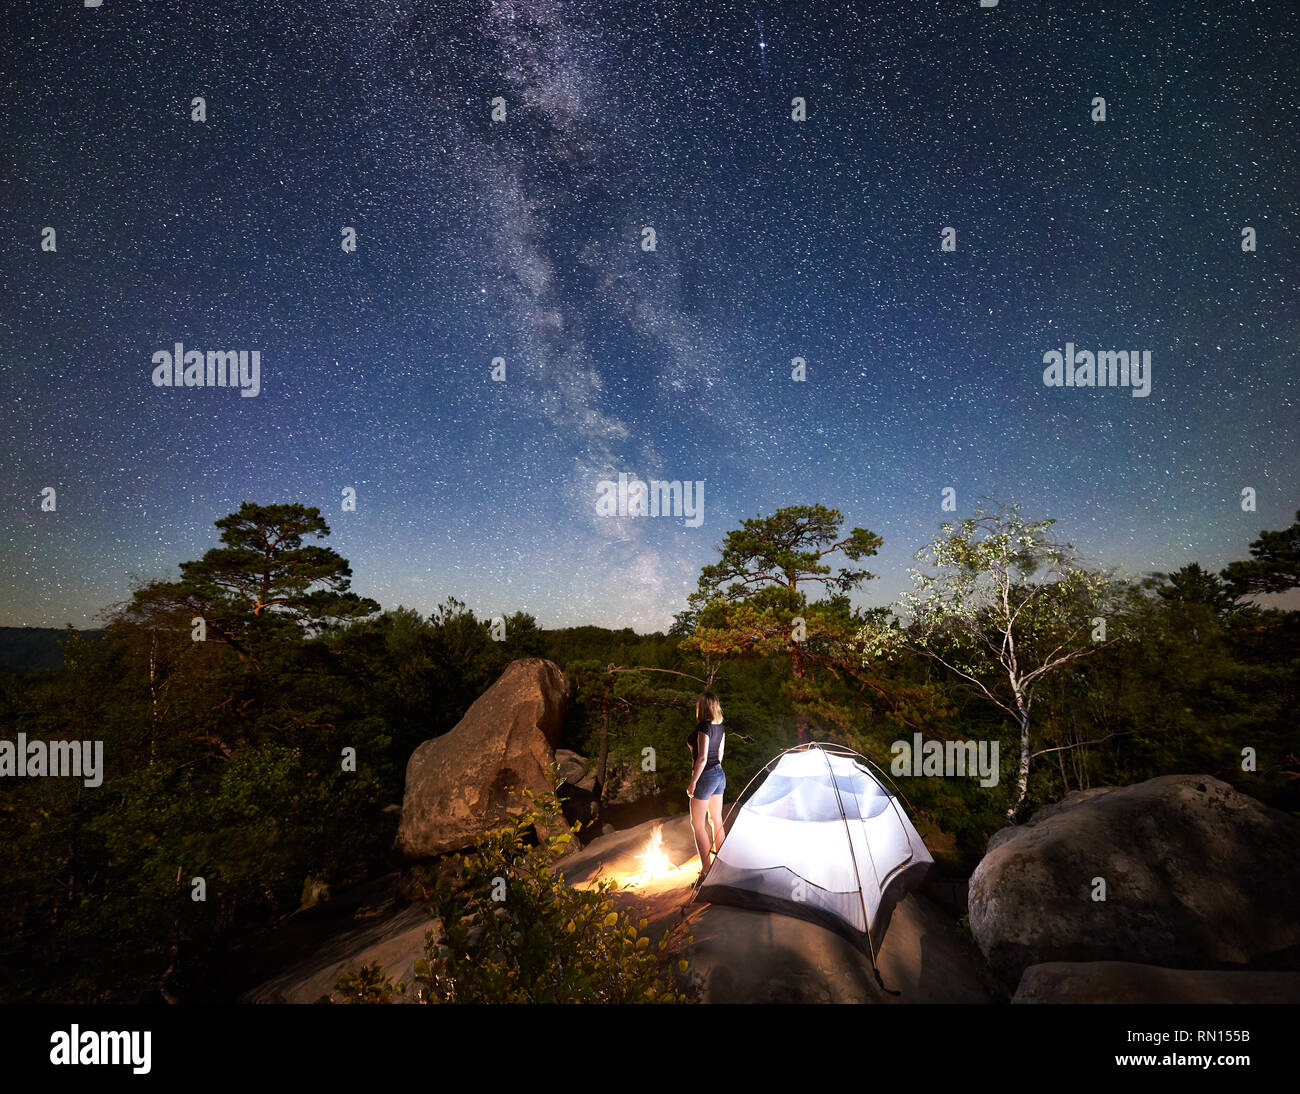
{"x":701,"y":758}
{"x":722,"y":744}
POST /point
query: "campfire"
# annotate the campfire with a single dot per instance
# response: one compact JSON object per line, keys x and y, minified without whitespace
{"x":654,"y":858}
{"x":656,"y":866}
{"x":651,"y":868}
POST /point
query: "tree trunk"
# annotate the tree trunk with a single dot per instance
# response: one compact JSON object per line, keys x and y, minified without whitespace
{"x":800,"y":722}
{"x":1022,"y":775}
{"x":153,"y":694}
{"x":603,"y":758}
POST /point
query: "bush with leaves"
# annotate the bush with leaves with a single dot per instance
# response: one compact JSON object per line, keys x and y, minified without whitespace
{"x":366,"y":985}
{"x":513,"y":931}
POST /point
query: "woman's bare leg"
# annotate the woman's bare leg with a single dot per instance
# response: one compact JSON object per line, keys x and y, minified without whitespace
{"x":715,"y":815}
{"x":699,"y":814}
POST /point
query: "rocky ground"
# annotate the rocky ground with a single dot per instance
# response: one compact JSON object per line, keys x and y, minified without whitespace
{"x":734,"y":955}
{"x":739,"y":956}
{"x":1177,"y":889}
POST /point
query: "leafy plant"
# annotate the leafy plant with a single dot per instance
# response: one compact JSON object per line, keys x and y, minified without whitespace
{"x":511,"y":930}
{"x":366,"y":985}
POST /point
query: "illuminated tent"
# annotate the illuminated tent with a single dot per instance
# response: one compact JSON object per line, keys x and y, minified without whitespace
{"x":823,"y":840}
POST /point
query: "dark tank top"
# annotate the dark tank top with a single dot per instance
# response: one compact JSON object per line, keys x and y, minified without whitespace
{"x":714,"y":732}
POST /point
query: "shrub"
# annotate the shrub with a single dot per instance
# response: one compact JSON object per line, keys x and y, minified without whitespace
{"x":513,"y":931}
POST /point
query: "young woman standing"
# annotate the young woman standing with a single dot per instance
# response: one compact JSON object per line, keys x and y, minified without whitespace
{"x":706,"y":742}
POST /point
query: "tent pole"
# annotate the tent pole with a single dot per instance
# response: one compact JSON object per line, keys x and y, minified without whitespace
{"x":891,"y":781}
{"x":866,"y":920}
{"x":736,"y":805}
{"x":864,"y":759}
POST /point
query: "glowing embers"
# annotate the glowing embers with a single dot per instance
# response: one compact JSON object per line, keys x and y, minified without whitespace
{"x":656,"y":860}
{"x":650,"y":868}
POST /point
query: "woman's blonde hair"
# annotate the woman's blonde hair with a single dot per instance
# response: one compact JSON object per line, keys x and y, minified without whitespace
{"x":707,"y":708}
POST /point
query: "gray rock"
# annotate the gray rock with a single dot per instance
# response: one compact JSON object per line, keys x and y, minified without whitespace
{"x":395,"y":940}
{"x":1125,"y":982}
{"x":314,"y":891}
{"x":744,"y":956}
{"x":1197,"y":876}
{"x":576,"y":769}
{"x":1073,"y":798}
{"x":459,"y":785}
{"x":736,"y":955}
{"x":628,"y":784}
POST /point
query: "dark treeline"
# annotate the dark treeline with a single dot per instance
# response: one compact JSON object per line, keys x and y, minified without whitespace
{"x":23,"y":649}
{"x":227,"y":758}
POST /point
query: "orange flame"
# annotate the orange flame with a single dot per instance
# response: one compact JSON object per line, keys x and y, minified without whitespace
{"x":654,"y":858}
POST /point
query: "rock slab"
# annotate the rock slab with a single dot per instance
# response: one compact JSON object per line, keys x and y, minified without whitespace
{"x":738,"y":955}
{"x":735,"y":955}
{"x":1126,"y":982}
{"x":368,"y":924}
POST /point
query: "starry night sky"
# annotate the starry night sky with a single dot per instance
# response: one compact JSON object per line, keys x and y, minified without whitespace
{"x":522,"y":239}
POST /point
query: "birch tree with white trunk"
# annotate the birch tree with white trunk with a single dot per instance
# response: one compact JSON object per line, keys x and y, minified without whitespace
{"x":1004,"y":606}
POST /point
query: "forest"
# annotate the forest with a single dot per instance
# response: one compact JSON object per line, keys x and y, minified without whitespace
{"x":257,"y":714}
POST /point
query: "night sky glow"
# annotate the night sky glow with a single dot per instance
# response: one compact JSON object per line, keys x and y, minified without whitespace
{"x":523,"y":239}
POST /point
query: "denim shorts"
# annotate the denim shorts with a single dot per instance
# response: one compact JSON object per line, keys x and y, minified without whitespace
{"x":711,"y":781}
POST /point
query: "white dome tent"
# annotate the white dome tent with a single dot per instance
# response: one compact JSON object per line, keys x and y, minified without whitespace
{"x":821,"y":839}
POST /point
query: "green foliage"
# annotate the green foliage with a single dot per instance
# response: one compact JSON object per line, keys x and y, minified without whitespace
{"x":749,"y":599}
{"x":1005,"y":607}
{"x":225,"y":762}
{"x":1004,"y":596}
{"x":651,"y":706}
{"x":365,"y":985}
{"x":754,"y":600}
{"x":1192,"y":585}
{"x":645,"y":707}
{"x":513,"y":931}
{"x":262,"y":583}
{"x":420,"y":676}
{"x":785,"y":550}
{"x":1274,"y":566}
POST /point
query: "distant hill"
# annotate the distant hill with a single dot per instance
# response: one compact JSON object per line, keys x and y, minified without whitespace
{"x":24,"y":649}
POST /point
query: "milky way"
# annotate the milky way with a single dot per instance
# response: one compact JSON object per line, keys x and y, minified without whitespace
{"x":524,"y":240}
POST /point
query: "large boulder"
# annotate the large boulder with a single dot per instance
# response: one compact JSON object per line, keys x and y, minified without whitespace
{"x":578,"y":793}
{"x":1124,"y":982}
{"x":1197,"y":876}
{"x":460,"y":784}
